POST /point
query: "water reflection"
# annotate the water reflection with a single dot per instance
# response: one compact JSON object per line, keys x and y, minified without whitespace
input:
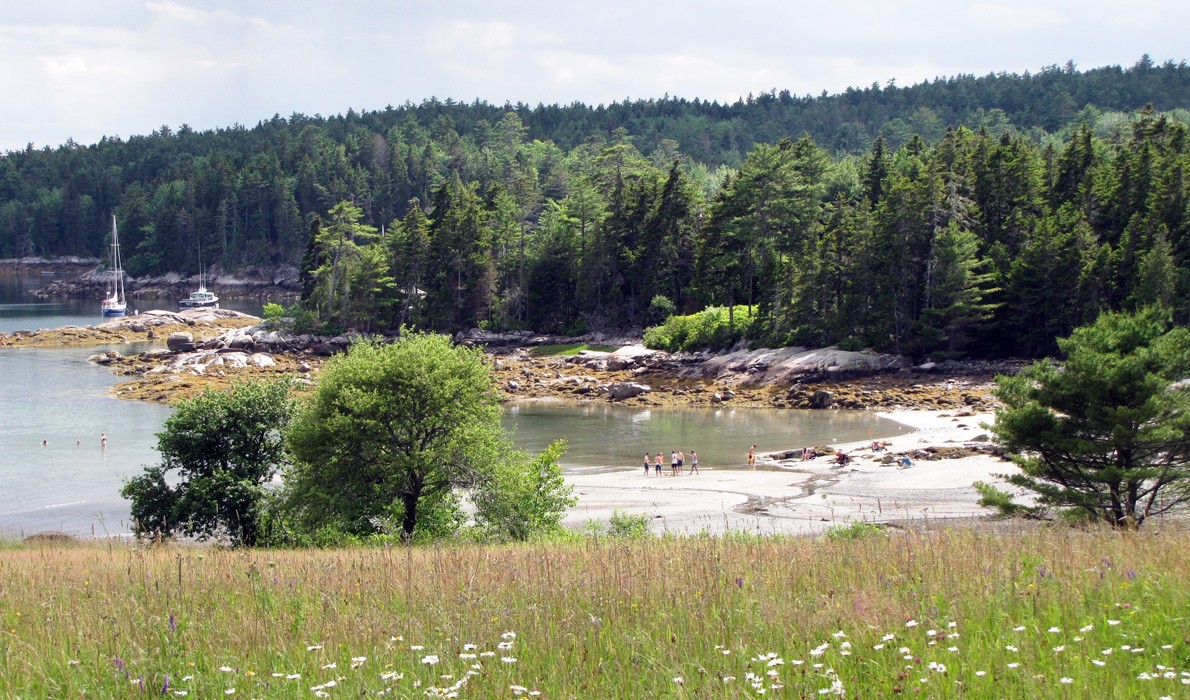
{"x":602,"y":434}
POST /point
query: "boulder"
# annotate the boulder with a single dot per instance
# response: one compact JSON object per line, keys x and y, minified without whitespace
{"x":180,"y":342}
{"x":626,"y":390}
{"x":822,"y":399}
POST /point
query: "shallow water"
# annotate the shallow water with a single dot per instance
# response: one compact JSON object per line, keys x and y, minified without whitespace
{"x":57,"y":396}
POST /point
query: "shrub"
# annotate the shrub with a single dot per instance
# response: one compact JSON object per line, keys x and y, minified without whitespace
{"x":623,"y":524}
{"x":713,"y":328}
{"x":855,"y":530}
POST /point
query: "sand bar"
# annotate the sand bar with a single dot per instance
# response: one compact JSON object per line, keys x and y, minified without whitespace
{"x":803,"y":498}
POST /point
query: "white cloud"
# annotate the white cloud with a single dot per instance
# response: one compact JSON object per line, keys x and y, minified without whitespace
{"x":81,"y":69}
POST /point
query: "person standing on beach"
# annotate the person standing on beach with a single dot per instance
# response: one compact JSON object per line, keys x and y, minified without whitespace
{"x":673,"y":462}
{"x":752,"y":457}
{"x":693,"y":462}
{"x":681,"y":462}
{"x":658,"y":463}
{"x":646,"y":464}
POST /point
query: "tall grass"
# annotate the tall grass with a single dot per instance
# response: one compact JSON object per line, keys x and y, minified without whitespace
{"x":957,"y":614}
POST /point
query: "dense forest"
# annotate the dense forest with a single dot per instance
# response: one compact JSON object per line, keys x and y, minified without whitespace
{"x":960,"y":216}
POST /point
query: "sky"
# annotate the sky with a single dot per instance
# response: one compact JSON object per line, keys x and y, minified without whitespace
{"x":84,"y":69}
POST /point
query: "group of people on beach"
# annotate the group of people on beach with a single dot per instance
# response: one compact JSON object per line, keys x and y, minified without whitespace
{"x":677,"y":463}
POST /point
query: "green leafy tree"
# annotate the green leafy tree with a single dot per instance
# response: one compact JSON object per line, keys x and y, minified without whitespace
{"x":525,"y":495}
{"x":392,"y":428}
{"x":1107,"y":432}
{"x":218,"y":453}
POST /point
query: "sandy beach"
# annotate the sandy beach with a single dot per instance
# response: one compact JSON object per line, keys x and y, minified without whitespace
{"x":806,"y":497}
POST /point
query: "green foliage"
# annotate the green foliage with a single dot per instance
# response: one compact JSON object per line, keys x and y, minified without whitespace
{"x":218,"y":453}
{"x":1108,"y":431}
{"x":524,"y":496}
{"x":660,"y":309}
{"x":394,"y":425}
{"x":1002,"y":501}
{"x":627,"y":525}
{"x":713,"y":328}
{"x":855,"y":530}
{"x":273,"y":313}
{"x":565,"y":350}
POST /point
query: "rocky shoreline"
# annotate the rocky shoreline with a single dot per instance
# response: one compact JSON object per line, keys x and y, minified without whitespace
{"x":213,"y":348}
{"x":87,"y":278}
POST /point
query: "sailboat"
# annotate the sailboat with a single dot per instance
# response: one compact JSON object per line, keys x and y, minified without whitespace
{"x":115,"y":304}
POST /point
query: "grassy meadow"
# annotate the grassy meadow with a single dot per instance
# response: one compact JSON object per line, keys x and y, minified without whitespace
{"x":1062,"y":614}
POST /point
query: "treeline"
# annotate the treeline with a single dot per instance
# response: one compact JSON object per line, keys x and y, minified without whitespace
{"x":986,"y":235}
{"x":247,"y":195}
{"x":979,"y":244}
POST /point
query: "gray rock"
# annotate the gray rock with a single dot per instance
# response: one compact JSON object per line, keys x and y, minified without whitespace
{"x":822,"y":399}
{"x":626,"y":390}
{"x":180,"y":342}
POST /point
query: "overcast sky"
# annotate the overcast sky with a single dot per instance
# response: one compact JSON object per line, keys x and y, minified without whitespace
{"x":83,"y":69}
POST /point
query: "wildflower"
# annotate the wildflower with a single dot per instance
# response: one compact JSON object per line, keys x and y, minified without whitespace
{"x":72,"y":662}
{"x":415,"y":647}
{"x":878,"y":647}
{"x":357,"y":661}
{"x":1088,"y":628}
{"x":888,"y":637}
{"x":839,"y":635}
{"x":1054,"y":630}
{"x":430,"y":659}
{"x":911,"y":623}
{"x":469,"y":647}
{"x":1065,"y":680}
{"x":332,"y":664}
{"x":1019,"y":629}
{"x":1113,"y":623}
{"x":1011,"y":648}
{"x":725,"y":652}
{"x":1013,"y":665}
{"x":931,"y":633}
{"x":679,"y":680}
{"x":467,"y":656}
{"x":508,"y":659}
{"x":981,"y":674}
{"x":952,"y":624}
{"x":293,"y":676}
{"x":518,"y":689}
{"x":1060,"y":648}
{"x":1106,"y":652}
{"x":181,"y":693}
{"x":314,"y":647}
{"x":227,"y":669}
{"x":952,"y":649}
{"x":230,"y":691}
{"x":324,"y":686}
{"x":1097,"y":662}
{"x":504,"y":646}
{"x":508,"y":635}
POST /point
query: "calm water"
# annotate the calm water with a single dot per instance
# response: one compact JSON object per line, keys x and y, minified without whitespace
{"x":57,"y":396}
{"x":604,"y":434}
